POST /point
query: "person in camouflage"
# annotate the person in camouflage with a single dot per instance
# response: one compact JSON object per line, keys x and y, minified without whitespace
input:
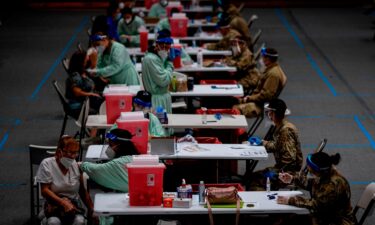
{"x":284,"y":144}
{"x":242,"y":58}
{"x":330,"y":191}
{"x":269,"y":87}
{"x":228,"y":34}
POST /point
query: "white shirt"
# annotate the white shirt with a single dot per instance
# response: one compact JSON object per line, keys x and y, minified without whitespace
{"x":63,"y":185}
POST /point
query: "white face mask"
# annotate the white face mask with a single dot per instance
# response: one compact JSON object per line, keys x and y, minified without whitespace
{"x":110,"y":153}
{"x":236,"y":50}
{"x":121,"y":5}
{"x":127,"y":21}
{"x":100,"y":49}
{"x":164,"y":3}
{"x":262,"y":66}
{"x":67,"y":162}
{"x":163,"y":54}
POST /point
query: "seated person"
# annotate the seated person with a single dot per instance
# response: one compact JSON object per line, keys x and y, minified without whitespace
{"x":159,"y":9}
{"x":79,"y":85}
{"x":228,"y":34}
{"x":269,"y":87}
{"x":285,"y":146}
{"x":113,"y":63}
{"x":330,"y":191}
{"x":113,"y":174}
{"x":142,"y":102}
{"x":62,"y":185}
{"x":242,"y":58}
{"x":128,"y":28}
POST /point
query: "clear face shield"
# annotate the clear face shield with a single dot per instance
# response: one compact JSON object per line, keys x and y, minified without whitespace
{"x":268,"y":113}
{"x":111,"y":144}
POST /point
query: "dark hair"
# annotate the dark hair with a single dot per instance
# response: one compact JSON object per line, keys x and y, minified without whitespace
{"x":224,"y":21}
{"x":271,"y":54}
{"x":323,"y":160}
{"x":279,"y":107}
{"x":164,"y":33}
{"x":100,"y":25}
{"x":77,"y":62}
{"x":142,"y":98}
{"x":67,"y":141}
{"x":126,"y":147}
{"x":126,"y":10}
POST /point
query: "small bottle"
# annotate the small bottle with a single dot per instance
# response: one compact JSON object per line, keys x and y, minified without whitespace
{"x":134,"y":59}
{"x":201,"y":192}
{"x":268,"y":185}
{"x":200,"y":58}
{"x":194,"y":44}
{"x":174,"y":83}
{"x":204,"y":115}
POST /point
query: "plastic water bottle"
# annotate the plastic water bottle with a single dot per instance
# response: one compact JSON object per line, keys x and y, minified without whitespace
{"x":194,"y":44}
{"x":201,"y":192}
{"x":200,"y":58}
{"x":204,"y":115}
{"x":268,"y":185}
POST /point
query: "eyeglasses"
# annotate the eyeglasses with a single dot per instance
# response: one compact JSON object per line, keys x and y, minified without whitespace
{"x":70,"y":153}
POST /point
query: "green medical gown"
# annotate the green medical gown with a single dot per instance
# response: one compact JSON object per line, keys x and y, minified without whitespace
{"x":130,"y":29}
{"x":157,"y":75}
{"x":117,"y":66}
{"x":157,"y":11}
{"x":111,"y":174}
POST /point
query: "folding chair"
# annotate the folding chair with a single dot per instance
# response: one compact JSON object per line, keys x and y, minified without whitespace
{"x":240,"y":8}
{"x":65,"y":64}
{"x":81,"y":123}
{"x":256,"y":37}
{"x":366,"y":203}
{"x":251,"y":20}
{"x":36,"y":154}
{"x":68,"y":112}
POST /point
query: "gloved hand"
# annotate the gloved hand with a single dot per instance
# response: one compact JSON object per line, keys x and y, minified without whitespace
{"x":187,"y":138}
{"x":173,"y":53}
{"x":255,"y":141}
{"x":91,"y":71}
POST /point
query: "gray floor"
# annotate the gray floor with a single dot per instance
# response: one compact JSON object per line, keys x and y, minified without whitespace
{"x":327,"y":54}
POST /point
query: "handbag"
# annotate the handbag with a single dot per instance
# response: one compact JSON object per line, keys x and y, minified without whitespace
{"x":222,"y":195}
{"x":53,"y":210}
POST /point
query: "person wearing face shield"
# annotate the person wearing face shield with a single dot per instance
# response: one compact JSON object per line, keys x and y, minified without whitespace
{"x":159,"y":9}
{"x":157,"y":71}
{"x":270,"y":85}
{"x":228,"y":34}
{"x":285,"y":146}
{"x":113,"y":63}
{"x":62,"y":186}
{"x":128,"y":28}
{"x":112,"y":173}
{"x":330,"y":191}
{"x":242,"y":58}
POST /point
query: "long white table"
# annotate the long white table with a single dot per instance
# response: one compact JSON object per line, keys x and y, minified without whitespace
{"x":107,"y":204}
{"x":197,"y":9}
{"x":203,"y":90}
{"x":195,"y":68}
{"x":196,"y":23}
{"x":181,"y":121}
{"x":195,"y":151}
{"x":189,"y":50}
{"x":204,"y":36}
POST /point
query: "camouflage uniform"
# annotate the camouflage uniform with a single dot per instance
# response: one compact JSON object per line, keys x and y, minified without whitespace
{"x":247,"y":75}
{"x":330,"y":199}
{"x":269,"y":87}
{"x":286,"y":148}
{"x":224,"y":43}
{"x":238,"y":23}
